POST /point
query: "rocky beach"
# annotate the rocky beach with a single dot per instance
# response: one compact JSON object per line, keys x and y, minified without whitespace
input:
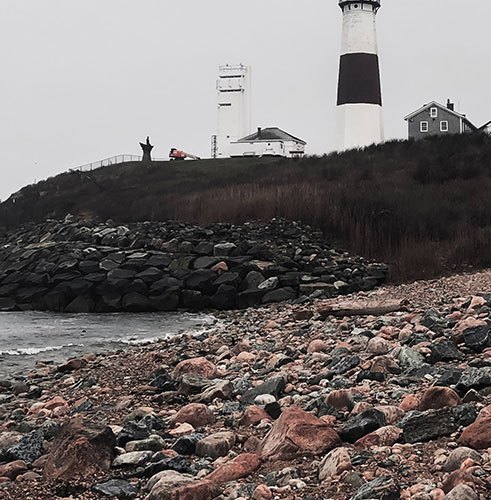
{"x":377,"y":395}
{"x":314,"y":381}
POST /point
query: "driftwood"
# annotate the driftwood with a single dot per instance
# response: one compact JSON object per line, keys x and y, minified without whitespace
{"x":367,"y":308}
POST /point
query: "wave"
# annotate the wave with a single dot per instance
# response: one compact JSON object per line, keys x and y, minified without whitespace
{"x":32,"y":351}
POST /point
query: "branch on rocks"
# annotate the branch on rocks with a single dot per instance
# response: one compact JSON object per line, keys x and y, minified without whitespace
{"x":368,"y":308}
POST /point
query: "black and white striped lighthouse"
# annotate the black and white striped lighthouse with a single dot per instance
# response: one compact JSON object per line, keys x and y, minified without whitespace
{"x":359,"y":103}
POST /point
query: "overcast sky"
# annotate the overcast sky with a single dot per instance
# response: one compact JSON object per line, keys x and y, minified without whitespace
{"x":82,"y":80}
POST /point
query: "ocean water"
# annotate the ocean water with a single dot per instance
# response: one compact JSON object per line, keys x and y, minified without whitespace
{"x":29,"y":337}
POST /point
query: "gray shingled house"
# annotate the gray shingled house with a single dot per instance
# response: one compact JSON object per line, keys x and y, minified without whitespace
{"x":436,"y":119}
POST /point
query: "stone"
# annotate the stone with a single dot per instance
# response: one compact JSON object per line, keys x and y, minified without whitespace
{"x":72,"y":365}
{"x":132,"y":459}
{"x":163,"y":485}
{"x":296,"y":433}
{"x":378,"y":345}
{"x":196,"y":366}
{"x":273,"y":386}
{"x":224,"y":298}
{"x":80,"y":450}
{"x":136,"y":302}
{"x":223,"y":249}
{"x":118,"y":488}
{"x":436,"y":398}
{"x":474,"y":378}
{"x":220,"y":389}
{"x":28,"y":449}
{"x":7,"y":304}
{"x":254,"y":415}
{"x":343,"y":364}
{"x":458,"y":456}
{"x":334,"y":464}
{"x":240,"y":467}
{"x":385,"y":436}
{"x":409,"y":359}
{"x":317,"y":345}
{"x":186,"y":445}
{"x":462,"y":492}
{"x":432,"y":424}
{"x":361,"y":425}
{"x":280,"y":295}
{"x":444,"y":351}
{"x":152,"y":443}
{"x":215,"y":445}
{"x":195,"y":414}
{"x":13,"y":469}
{"x":381,"y":488}
{"x":477,"y":435}
{"x":478,"y":338}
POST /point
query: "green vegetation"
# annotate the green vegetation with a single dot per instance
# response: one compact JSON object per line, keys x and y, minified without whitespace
{"x":424,"y":207}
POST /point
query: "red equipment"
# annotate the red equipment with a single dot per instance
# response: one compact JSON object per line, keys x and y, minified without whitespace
{"x":177,"y":154}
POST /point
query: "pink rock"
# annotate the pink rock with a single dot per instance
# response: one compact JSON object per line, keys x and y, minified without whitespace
{"x":253,"y":415}
{"x":393,"y":414}
{"x":436,"y":398}
{"x":334,"y":464}
{"x":245,"y":357}
{"x":409,"y":402}
{"x":242,"y":466}
{"x":196,"y":414}
{"x":477,"y":435}
{"x":385,"y":436}
{"x":196,"y":366}
{"x":262,"y":492}
{"x":55,"y":403}
{"x":13,"y":469}
{"x":317,"y":345}
{"x":340,"y":399}
{"x":297,"y":432}
{"x":378,"y":345}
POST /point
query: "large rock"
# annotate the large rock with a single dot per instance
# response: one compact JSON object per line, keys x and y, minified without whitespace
{"x":382,"y":488}
{"x":361,"y":425}
{"x":195,"y":366}
{"x":215,"y":445}
{"x":436,"y":398}
{"x":474,"y":378}
{"x":118,"y":488}
{"x":273,"y":386}
{"x":296,"y":433}
{"x":240,"y":467}
{"x":432,"y":424}
{"x":28,"y":449}
{"x":80,"y":451}
{"x":163,"y":485}
{"x":334,"y":464}
{"x":195,"y":414}
{"x":478,"y":338}
{"x":477,"y":435}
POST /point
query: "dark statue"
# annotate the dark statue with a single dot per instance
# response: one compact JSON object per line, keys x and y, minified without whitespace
{"x":147,"y":151}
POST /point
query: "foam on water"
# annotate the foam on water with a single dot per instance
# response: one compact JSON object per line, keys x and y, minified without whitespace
{"x":28,"y":337}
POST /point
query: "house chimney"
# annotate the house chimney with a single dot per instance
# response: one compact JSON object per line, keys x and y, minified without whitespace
{"x":450,"y":105}
{"x":259,"y":132}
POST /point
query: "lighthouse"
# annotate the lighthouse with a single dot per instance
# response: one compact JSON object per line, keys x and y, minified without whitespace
{"x":359,"y":105}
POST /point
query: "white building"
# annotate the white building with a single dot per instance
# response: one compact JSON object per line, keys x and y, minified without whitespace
{"x":268,"y":142}
{"x":234,"y":106}
{"x":359,"y":91}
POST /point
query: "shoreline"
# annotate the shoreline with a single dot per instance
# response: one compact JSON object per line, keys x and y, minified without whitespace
{"x":386,"y":402}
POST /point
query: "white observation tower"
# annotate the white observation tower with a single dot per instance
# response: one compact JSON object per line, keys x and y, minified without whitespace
{"x":234,"y":106}
{"x":360,"y":121}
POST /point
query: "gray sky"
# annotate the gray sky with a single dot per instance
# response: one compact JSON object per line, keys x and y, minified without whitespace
{"x":82,"y":80}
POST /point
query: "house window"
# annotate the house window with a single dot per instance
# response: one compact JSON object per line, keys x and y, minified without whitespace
{"x":433,"y":112}
{"x":423,"y":127}
{"x":444,"y":126}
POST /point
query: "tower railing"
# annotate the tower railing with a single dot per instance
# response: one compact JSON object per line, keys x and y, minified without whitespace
{"x":114,"y":160}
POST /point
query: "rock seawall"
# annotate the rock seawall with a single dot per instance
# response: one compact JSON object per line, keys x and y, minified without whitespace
{"x":68,"y":266}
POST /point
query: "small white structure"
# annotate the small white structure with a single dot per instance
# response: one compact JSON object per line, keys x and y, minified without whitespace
{"x":234,"y":107}
{"x":486,"y":128}
{"x":359,"y":91}
{"x":268,"y":142}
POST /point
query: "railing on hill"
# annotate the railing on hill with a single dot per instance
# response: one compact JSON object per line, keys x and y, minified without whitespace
{"x":112,"y":161}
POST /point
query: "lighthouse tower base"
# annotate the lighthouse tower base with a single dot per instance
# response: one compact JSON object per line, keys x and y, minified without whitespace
{"x":359,"y":125}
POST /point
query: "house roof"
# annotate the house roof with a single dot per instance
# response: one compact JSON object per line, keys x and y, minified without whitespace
{"x":431,"y":105}
{"x":485,"y":126}
{"x":441,"y":106}
{"x":271,"y":134}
